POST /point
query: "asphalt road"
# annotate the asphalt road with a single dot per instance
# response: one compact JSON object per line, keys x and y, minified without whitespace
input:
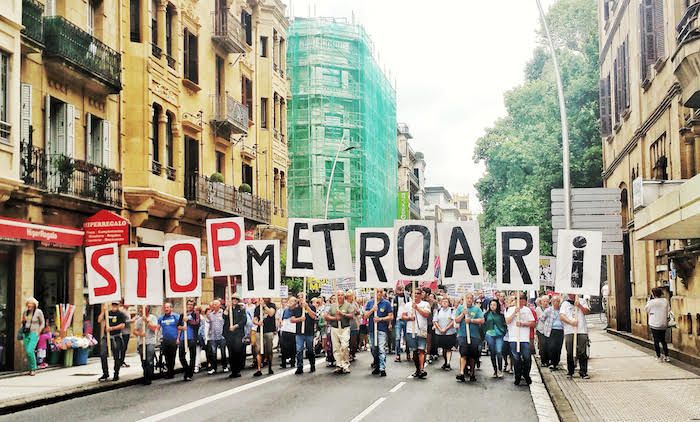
{"x":288,"y":397}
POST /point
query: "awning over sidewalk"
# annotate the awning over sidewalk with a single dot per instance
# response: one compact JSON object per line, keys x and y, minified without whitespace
{"x":675,"y":215}
{"x":24,"y":230}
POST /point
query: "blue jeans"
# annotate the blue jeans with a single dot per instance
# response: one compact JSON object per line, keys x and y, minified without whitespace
{"x":521,"y":360}
{"x":496,"y":351}
{"x":379,"y":352}
{"x":307,"y":341}
{"x":400,"y":331}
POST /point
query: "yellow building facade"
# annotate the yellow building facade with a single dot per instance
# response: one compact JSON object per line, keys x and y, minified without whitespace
{"x":649,"y":56}
{"x":166,"y":113}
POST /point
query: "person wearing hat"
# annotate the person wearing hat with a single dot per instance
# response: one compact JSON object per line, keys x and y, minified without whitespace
{"x":115,"y":324}
{"x":234,"y":331}
{"x":32,"y":324}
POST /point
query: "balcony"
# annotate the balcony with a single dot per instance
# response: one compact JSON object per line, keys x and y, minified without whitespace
{"x":686,"y":58}
{"x":82,"y":52}
{"x":402,"y":129}
{"x":231,"y":118}
{"x":414,"y":179}
{"x":226,"y":199}
{"x":415,"y":210}
{"x":63,"y":175}
{"x":32,"y":13}
{"x":229,"y":34}
{"x":669,"y":213}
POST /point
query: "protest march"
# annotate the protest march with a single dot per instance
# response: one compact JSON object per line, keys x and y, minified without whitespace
{"x":382,"y":303}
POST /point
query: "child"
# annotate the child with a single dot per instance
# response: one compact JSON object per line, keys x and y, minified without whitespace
{"x":363,"y":333}
{"x":42,"y":345}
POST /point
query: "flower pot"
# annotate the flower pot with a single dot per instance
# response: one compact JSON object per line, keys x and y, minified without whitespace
{"x":80,"y":356}
{"x":68,"y":358}
{"x":53,"y":357}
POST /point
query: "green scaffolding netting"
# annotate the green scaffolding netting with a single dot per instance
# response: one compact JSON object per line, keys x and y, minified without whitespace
{"x":340,"y":94}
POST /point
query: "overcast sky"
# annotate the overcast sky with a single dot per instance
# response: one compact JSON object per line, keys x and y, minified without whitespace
{"x":452,"y":61}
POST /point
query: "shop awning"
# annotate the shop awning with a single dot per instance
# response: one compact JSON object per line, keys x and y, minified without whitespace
{"x":675,"y":215}
{"x":24,"y":230}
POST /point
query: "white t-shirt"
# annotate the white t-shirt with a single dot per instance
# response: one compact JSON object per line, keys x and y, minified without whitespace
{"x":514,"y":330}
{"x":567,"y":309}
{"x":658,"y":313}
{"x":421,"y":323}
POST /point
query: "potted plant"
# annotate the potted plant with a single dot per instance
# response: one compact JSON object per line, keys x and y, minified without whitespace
{"x":245,"y":188}
{"x":216,"y":177}
{"x":65,"y":168}
{"x":102,"y":183}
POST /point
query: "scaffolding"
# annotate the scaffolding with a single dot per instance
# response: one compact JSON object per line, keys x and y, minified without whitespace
{"x":340,"y":94}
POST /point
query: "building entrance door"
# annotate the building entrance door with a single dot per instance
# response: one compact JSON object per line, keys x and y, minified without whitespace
{"x":7,"y":307}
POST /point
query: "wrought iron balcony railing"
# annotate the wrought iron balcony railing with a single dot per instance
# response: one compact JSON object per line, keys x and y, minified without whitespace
{"x":64,"y":175}
{"x":77,"y":47}
{"x":231,"y":117}
{"x":226,"y":198}
{"x":688,"y":27}
{"x":228,"y":32}
{"x":32,"y":14}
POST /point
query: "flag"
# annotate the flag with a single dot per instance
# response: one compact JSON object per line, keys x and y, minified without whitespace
{"x":437,"y":268}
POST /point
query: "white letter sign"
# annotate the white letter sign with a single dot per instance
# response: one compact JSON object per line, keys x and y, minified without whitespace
{"x":144,"y":276}
{"x":262,"y":276}
{"x":183,"y":277}
{"x":578,"y":262}
{"x":103,"y":273}
{"x":299,"y":262}
{"x":375,"y":258}
{"x":414,"y":249}
{"x":330,"y":249}
{"x":226,"y":246}
{"x":517,"y":258}
{"x":460,"y":252}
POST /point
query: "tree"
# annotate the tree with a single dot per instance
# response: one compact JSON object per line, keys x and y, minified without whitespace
{"x":522,"y":151}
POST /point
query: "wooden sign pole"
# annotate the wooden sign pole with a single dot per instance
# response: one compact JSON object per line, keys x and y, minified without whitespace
{"x":517,"y":329}
{"x":303,"y":310}
{"x":144,"y":325}
{"x":106,"y":322}
{"x":229,"y":302}
{"x":575,"y":316}
{"x":376,"y":306}
{"x":413,"y":300}
{"x":262,"y":352}
{"x":464,"y":307}
{"x":184,"y":319}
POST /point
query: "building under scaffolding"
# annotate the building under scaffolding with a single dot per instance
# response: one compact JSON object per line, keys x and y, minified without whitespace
{"x":341,"y":100}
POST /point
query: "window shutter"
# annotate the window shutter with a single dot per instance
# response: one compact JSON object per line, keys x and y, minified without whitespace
{"x":649,"y":56}
{"x":70,"y":130}
{"x":59,"y":145}
{"x":88,"y":139}
{"x":604,"y":108}
{"x":625,"y":74}
{"x":48,"y":142}
{"x":105,"y":144}
{"x":643,"y":67}
{"x":617,"y":90}
{"x":186,"y":54}
{"x":659,"y":29}
{"x":194,"y":56}
{"x":25,"y":113}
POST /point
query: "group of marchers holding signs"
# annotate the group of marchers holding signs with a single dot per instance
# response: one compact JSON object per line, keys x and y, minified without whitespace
{"x":322,"y":249}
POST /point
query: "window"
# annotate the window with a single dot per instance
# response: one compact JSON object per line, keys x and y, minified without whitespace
{"x":659,"y":160}
{"x":4,"y":96}
{"x":263,"y":46}
{"x":605,"y":107}
{"x":247,"y":95}
{"x":155,"y":141}
{"x":247,"y":23}
{"x":621,"y":67}
{"x":220,"y":160}
{"x":59,"y":126}
{"x":247,"y":174}
{"x":135,"y":20}
{"x":154,"y":22}
{"x":652,"y":34}
{"x":90,"y":18}
{"x":169,"y":16}
{"x":606,"y":10}
{"x":190,"y":59}
{"x":96,"y":140}
{"x":263,"y":112}
{"x":169,"y":138}
{"x":50,"y":9}
{"x":220,"y":101}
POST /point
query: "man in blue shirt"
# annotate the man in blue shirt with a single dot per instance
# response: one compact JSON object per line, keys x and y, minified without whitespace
{"x":191,"y":321}
{"x":385,"y":314}
{"x":169,"y":331}
{"x":472,"y":316}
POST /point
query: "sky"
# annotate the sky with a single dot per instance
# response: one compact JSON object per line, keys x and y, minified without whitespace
{"x":451,"y":62}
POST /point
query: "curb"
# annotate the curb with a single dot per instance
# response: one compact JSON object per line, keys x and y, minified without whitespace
{"x":559,"y":401}
{"x":544,"y":406}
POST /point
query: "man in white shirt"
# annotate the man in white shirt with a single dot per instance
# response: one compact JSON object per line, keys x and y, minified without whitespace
{"x":520,"y":319}
{"x":573,"y":314}
{"x":416,"y":314}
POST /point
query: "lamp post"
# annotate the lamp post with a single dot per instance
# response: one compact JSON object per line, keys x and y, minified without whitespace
{"x":341,"y":144}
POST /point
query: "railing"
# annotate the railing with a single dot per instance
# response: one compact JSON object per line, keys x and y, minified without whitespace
{"x":5,"y":129}
{"x":58,"y":173}
{"x":156,"y":51}
{"x":156,"y":168}
{"x":170,"y":173}
{"x":66,"y":40}
{"x":226,"y":198}
{"x":687,"y":27}
{"x":414,"y":179}
{"x":414,"y":209}
{"x":228,"y":31}
{"x":171,"y":61}
{"x":32,"y":13}
{"x":233,"y":114}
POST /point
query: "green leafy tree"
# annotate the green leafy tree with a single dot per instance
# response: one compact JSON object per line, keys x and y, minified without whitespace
{"x":522,"y":151}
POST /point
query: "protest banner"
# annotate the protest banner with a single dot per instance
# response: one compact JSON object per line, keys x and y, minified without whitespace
{"x":517,"y":258}
{"x":262,"y":276}
{"x":143,"y":284}
{"x":103,"y":281}
{"x":578,"y":262}
{"x":226,"y":246}
{"x":284,"y":291}
{"x":330,"y":249}
{"x":375,"y":258}
{"x":414,"y":250}
{"x":183,"y":276}
{"x":460,"y":252}
{"x":299,"y":258}
{"x":547,"y":271}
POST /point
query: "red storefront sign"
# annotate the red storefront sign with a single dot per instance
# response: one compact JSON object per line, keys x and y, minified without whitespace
{"x":106,"y":227}
{"x":58,"y":235}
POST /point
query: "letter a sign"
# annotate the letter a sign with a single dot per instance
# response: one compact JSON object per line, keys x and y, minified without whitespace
{"x":518,"y":258}
{"x":460,"y":252}
{"x":578,"y":262}
{"x":103,"y":273}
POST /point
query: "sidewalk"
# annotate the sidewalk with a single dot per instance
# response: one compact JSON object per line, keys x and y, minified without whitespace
{"x":51,"y":385}
{"x":626,"y":384}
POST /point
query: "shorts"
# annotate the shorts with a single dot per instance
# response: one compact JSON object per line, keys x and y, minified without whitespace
{"x":415,"y":343}
{"x":446,"y":341}
{"x":363,"y":329}
{"x":468,"y":350}
{"x":267,"y":344}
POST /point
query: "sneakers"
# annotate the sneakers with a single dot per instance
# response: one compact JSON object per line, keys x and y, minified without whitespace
{"x":569,"y":376}
{"x":667,"y":359}
{"x":423,"y":375}
{"x":196,"y":369}
{"x":299,"y":371}
{"x":186,"y":379}
{"x":382,"y":373}
{"x":659,"y":359}
{"x":104,"y":377}
{"x":552,"y":368}
{"x":460,"y":378}
{"x":376,"y":371}
{"x":585,"y":376}
{"x":257,"y":374}
{"x":499,"y":374}
{"x":517,"y":381}
{"x":495,"y":374}
{"x":211,"y":372}
{"x":225,"y":369}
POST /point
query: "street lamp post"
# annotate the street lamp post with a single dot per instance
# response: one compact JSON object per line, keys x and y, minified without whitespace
{"x":341,"y":144}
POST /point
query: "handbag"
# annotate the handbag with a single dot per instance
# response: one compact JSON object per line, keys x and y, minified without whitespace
{"x":671,"y":320}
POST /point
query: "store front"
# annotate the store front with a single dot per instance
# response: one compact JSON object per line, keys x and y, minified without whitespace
{"x":51,"y":281}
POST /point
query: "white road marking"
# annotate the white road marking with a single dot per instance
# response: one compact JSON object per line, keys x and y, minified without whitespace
{"x":397,"y":387}
{"x":367,"y":411}
{"x":215,"y":397}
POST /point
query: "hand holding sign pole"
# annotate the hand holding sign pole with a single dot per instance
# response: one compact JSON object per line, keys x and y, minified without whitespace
{"x":103,"y":280}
